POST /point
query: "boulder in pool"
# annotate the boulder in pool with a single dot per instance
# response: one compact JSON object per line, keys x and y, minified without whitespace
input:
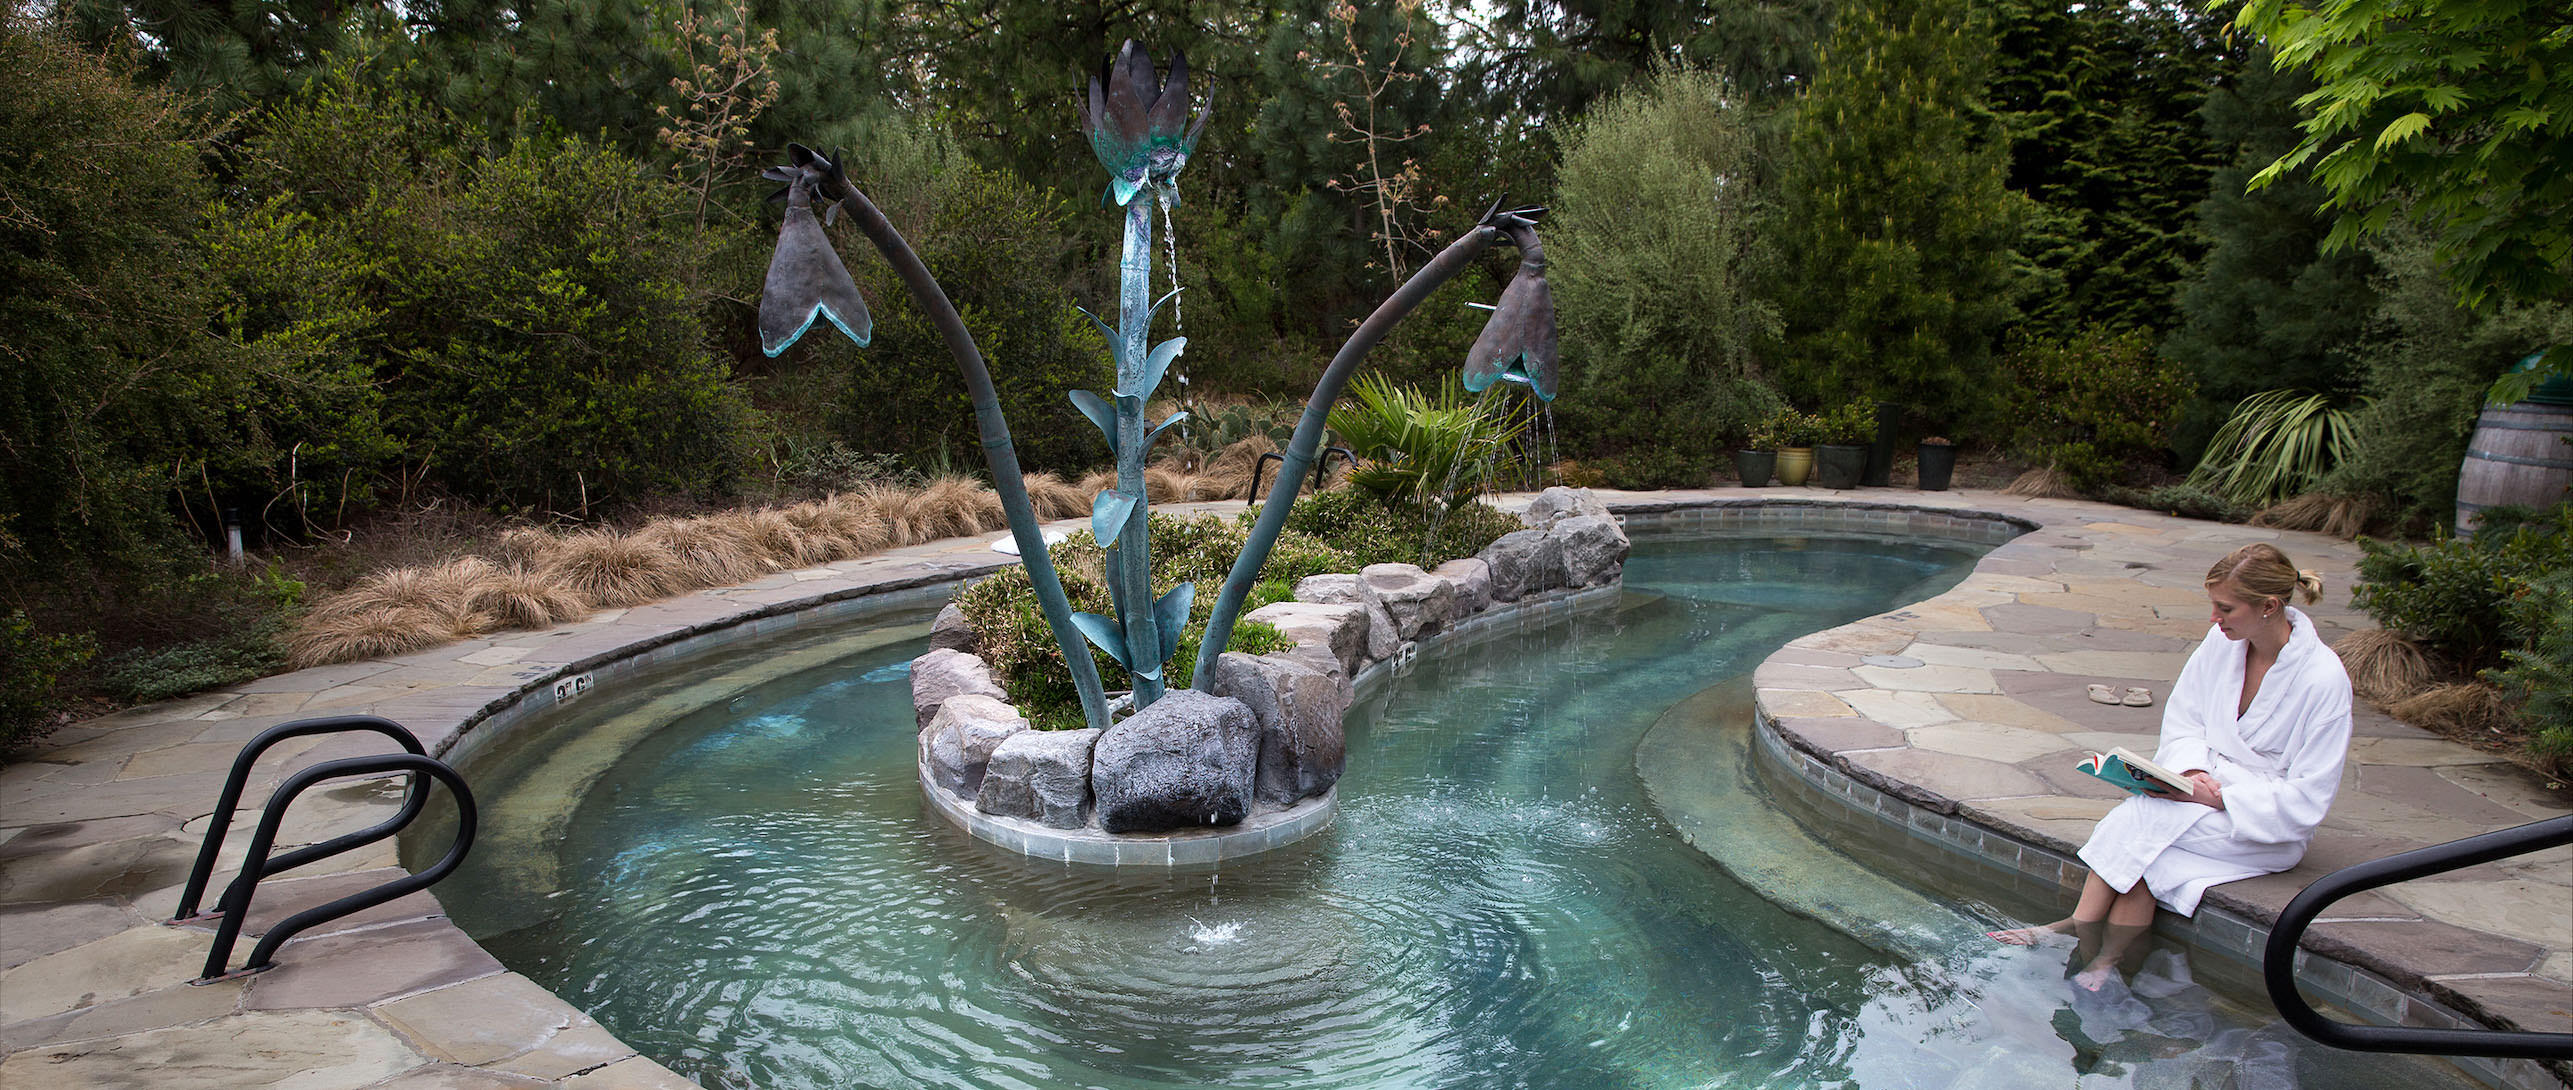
{"x":945,"y":673}
{"x":1339,"y":631}
{"x":1298,"y":708}
{"x":957,"y":744}
{"x":1594,"y":549}
{"x":1559,"y":503}
{"x":1524,"y":562}
{"x":1188,"y":760}
{"x":1415,"y":601}
{"x":1040,"y":774}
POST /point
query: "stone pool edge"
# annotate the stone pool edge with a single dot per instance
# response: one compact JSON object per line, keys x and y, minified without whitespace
{"x":426,"y":1001}
{"x":2227,"y":925}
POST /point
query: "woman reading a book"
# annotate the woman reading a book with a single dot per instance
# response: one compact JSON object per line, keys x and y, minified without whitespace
{"x":2258,"y":725}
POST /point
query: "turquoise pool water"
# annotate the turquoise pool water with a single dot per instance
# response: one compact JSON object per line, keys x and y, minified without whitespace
{"x":733,"y":869}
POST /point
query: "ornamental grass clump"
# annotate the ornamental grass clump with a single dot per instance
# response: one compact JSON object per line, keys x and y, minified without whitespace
{"x":2493,"y":608}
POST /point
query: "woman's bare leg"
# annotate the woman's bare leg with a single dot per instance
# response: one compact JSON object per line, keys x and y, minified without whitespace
{"x":2129,"y":918}
{"x":2097,"y":903}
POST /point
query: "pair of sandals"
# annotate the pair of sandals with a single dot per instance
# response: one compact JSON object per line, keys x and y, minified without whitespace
{"x":2132,"y":697}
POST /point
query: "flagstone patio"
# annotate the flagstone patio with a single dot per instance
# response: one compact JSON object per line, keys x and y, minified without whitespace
{"x":99,"y":824}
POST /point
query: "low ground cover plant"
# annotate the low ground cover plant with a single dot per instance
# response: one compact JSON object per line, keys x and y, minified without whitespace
{"x":1342,"y":530}
{"x":2491,"y":612}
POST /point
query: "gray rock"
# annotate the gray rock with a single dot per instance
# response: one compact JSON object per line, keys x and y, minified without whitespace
{"x":1327,"y":589}
{"x":958,"y":743}
{"x":1594,"y":549}
{"x":1415,"y":600}
{"x":950,"y":632}
{"x":1472,"y":578}
{"x":1338,"y":631}
{"x":944,"y":673}
{"x":1524,"y":562}
{"x":1041,"y":774}
{"x":1299,"y":710}
{"x":1187,"y":760}
{"x":1382,"y":639}
{"x":1559,"y":503}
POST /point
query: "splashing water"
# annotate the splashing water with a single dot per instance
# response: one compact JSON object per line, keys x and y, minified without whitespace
{"x":1204,"y":936}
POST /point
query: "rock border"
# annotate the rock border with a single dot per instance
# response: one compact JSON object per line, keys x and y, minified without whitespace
{"x":1260,"y":755}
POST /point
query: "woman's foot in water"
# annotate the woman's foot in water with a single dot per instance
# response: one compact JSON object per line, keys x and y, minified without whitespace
{"x":2043,"y":934}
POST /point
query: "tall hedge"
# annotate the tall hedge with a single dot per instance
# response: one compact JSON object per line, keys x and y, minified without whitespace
{"x":1652,"y":252}
{"x":1895,"y":229}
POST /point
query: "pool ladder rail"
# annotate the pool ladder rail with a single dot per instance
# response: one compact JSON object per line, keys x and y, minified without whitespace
{"x":233,"y":908}
{"x":2278,"y":959}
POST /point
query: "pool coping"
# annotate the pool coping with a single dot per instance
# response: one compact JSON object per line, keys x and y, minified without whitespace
{"x":98,"y":828}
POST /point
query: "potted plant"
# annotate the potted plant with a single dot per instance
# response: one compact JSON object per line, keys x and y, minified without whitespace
{"x":1758,"y":456}
{"x":1794,"y":432}
{"x":1938,"y":461}
{"x":1840,"y":457}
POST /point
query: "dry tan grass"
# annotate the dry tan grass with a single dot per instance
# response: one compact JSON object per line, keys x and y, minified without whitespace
{"x":2474,"y":713}
{"x":954,"y":507}
{"x":519,"y":597}
{"x":1227,"y":476}
{"x":348,"y":635}
{"x":1098,"y":481}
{"x":1055,"y":498}
{"x":2339,"y":516}
{"x":888,"y":507}
{"x":611,"y":570}
{"x":704,"y":552}
{"x":776,"y":539}
{"x":2385,"y":666}
{"x":1162,"y":485}
{"x":2045,"y":482}
{"x":523,"y":546}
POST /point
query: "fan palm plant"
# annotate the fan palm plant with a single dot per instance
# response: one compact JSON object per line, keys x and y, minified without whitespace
{"x":1421,"y":447}
{"x":2276,"y":445}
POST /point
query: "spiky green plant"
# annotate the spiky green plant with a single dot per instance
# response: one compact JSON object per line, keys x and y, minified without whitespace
{"x":2276,"y":445}
{"x":1420,"y":446}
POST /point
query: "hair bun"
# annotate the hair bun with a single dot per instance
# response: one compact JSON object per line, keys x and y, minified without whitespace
{"x":2311,"y":582}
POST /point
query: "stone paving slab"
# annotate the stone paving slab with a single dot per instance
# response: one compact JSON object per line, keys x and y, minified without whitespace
{"x":93,"y":989}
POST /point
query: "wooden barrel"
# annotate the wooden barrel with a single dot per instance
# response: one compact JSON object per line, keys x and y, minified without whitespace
{"x":2517,"y":457}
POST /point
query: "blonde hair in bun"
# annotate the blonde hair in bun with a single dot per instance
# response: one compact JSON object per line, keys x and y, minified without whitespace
{"x":2262,"y":572}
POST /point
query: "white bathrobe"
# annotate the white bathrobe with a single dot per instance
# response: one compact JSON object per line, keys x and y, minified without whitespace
{"x":2279,"y":764}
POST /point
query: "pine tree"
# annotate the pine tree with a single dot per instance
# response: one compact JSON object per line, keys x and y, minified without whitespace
{"x":1895,"y":229}
{"x":2268,"y":308}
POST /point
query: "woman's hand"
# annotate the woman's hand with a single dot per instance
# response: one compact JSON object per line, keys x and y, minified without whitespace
{"x":2207,"y":792}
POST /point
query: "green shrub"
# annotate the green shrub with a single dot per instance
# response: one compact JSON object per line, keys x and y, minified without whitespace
{"x":1013,"y":636}
{"x":31,"y":664}
{"x":2426,"y":364}
{"x":2091,"y":405}
{"x":1362,"y":530}
{"x":2185,"y":501}
{"x":2540,"y":674}
{"x":1851,"y":424}
{"x":520,"y":318}
{"x":2456,"y":596}
{"x":1652,"y":255}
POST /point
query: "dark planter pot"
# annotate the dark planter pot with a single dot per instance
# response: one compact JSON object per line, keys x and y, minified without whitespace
{"x":1880,"y":454}
{"x":1755,"y":466}
{"x":1938,"y":461}
{"x":1837,"y":466}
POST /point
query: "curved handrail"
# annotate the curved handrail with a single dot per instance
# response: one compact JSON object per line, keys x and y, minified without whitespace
{"x":2278,"y":959}
{"x":414,"y":798}
{"x":257,"y":865}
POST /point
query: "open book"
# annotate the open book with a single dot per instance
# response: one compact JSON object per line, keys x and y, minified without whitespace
{"x":2122,"y":767}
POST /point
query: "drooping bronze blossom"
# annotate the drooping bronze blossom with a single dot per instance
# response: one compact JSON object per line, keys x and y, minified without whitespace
{"x":1134,"y":121}
{"x":1518,"y":341}
{"x":805,"y":277}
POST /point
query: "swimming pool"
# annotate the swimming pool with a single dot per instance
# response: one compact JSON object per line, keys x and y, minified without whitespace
{"x":732,"y":868}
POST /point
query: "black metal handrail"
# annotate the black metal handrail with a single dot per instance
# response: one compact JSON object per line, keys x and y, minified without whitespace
{"x":229,"y":801}
{"x":2278,"y":960}
{"x":1321,"y":469}
{"x":235,"y":907}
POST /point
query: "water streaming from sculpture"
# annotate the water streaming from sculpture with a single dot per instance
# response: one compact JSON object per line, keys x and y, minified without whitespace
{"x":1137,"y":123}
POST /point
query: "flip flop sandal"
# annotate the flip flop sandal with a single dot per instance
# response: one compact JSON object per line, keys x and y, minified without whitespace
{"x":2138,"y":698}
{"x":2102,"y":694}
